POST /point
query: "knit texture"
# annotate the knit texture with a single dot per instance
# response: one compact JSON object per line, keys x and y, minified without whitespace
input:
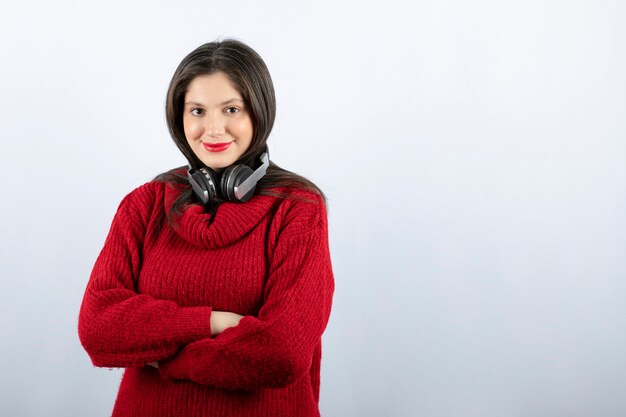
{"x":153,"y":288}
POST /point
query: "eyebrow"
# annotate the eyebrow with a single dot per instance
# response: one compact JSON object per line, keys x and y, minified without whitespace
{"x":195,"y":103}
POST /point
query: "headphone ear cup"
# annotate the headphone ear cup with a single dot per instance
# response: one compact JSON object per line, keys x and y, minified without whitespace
{"x":232,"y":177}
{"x":203,"y":183}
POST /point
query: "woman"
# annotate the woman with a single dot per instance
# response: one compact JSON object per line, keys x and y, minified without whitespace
{"x":211,"y":290}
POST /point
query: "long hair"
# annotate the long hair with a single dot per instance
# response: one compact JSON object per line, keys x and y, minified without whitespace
{"x":251,"y":78}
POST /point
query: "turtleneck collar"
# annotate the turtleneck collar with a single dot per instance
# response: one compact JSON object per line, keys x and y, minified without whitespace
{"x":230,"y":222}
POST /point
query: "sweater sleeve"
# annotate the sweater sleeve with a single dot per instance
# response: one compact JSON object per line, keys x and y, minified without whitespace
{"x":276,"y":348}
{"x":117,"y":326}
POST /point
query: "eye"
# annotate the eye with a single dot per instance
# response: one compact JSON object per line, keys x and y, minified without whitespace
{"x":231,"y":110}
{"x":197,"y":111}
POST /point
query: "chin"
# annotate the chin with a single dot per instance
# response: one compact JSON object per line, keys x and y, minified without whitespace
{"x":217,"y":165}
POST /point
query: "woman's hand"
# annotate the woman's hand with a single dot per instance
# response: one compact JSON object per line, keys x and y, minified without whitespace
{"x":222,"y":320}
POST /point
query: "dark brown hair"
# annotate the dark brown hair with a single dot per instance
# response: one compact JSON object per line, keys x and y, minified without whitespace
{"x":251,"y":78}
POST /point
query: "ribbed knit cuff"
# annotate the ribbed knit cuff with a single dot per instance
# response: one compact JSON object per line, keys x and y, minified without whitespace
{"x":191,"y":324}
{"x":172,"y":369}
{"x":186,"y":363}
{"x":165,"y":369}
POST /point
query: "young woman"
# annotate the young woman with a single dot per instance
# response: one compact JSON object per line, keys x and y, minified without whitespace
{"x":215,"y":284}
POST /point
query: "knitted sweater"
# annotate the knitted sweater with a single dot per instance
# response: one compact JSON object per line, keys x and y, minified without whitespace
{"x":153,"y":287}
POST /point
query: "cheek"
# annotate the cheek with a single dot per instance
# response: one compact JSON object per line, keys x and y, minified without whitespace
{"x":245,"y":129}
{"x":193,"y":128}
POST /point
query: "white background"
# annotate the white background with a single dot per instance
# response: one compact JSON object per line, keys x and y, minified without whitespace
{"x":473,"y":153}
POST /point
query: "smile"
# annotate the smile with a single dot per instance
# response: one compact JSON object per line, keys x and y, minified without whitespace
{"x":216,"y":147}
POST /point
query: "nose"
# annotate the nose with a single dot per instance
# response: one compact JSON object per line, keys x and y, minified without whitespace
{"x":214,"y":125}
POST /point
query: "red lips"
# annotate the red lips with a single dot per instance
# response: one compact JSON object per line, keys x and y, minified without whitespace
{"x":216,"y":147}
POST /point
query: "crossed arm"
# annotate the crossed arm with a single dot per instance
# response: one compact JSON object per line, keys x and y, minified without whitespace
{"x":220,"y":321}
{"x":276,"y":347}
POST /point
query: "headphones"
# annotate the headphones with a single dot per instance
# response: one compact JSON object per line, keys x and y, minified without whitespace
{"x":237,"y":182}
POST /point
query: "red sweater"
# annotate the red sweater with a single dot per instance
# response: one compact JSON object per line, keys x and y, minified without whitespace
{"x":153,"y":287}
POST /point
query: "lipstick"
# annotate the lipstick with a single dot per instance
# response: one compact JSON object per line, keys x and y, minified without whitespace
{"x":216,"y":147}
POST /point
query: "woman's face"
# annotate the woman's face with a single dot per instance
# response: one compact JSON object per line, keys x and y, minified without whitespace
{"x":218,"y":126}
